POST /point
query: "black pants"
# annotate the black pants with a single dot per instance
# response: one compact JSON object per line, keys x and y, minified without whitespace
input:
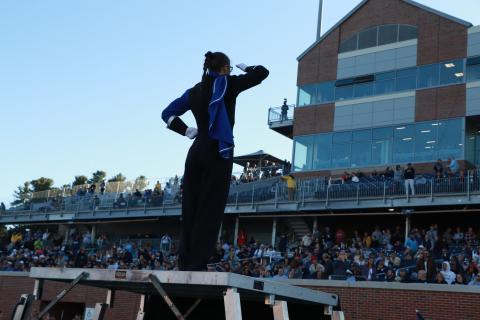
{"x":206,"y":183}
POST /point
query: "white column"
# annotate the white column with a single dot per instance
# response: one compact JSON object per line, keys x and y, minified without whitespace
{"x":94,"y":233}
{"x":274,"y":231}
{"x":408,"y":222}
{"x":235,"y":233}
{"x":315,"y":224}
{"x":280,"y":310}
{"x":233,"y":310}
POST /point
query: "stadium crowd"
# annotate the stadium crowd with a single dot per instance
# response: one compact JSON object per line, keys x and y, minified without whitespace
{"x":452,"y":257}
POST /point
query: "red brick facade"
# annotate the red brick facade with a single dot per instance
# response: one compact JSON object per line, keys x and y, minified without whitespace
{"x":357,"y":302}
{"x":439,"y":39}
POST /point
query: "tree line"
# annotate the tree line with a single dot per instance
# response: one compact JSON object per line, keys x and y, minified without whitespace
{"x":24,"y":192}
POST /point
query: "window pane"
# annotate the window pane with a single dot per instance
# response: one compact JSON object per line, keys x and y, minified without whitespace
{"x":403,"y":143}
{"x":387,"y":34}
{"x":349,"y":45}
{"x":382,"y":151}
{"x":385,"y":86}
{"x":306,"y":95}
{"x":363,"y":90}
{"x":362,"y":135}
{"x":425,"y":141}
{"x":428,"y":76}
{"x":342,"y":93}
{"x":341,"y":137}
{"x":451,"y":72}
{"x":341,"y":155}
{"x":385,"y":75}
{"x":361,"y":154}
{"x":302,"y":159}
{"x":323,"y":151}
{"x":450,"y":135}
{"x":367,"y":38}
{"x":407,"y":33}
{"x":325,"y":92}
{"x":406,"y":79}
{"x":473,"y":73}
{"x":382,"y":133}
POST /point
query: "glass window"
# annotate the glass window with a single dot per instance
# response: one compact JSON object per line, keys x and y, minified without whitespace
{"x":428,"y":76}
{"x":387,"y":34}
{"x":325,"y":92}
{"x":361,"y":154}
{"x":340,"y":137}
{"x":473,"y":73}
{"x":407,"y":33}
{"x":382,"y":151}
{"x":425,"y":141}
{"x":342,"y":93}
{"x":363,"y":90}
{"x":451,"y":72}
{"x":385,"y":82}
{"x":362,"y":135}
{"x":382,"y":133}
{"x":406,"y":79}
{"x":404,"y":138}
{"x":323,"y":151}
{"x":306,"y":95}
{"x":450,"y":138}
{"x":303,"y":149}
{"x":367,"y":38}
{"x":349,"y":45}
{"x":341,"y":155}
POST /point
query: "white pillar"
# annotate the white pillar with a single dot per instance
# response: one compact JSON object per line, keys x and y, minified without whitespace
{"x":408,"y":222}
{"x":235,"y":234}
{"x":233,"y":309}
{"x":315,"y":224}
{"x":220,"y":232}
{"x":274,"y":231}
{"x":94,"y":233}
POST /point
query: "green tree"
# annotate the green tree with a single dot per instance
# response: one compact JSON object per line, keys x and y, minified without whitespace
{"x":80,"y":180}
{"x":97,"y":176}
{"x":141,"y":183}
{"x":22,"y":194}
{"x":41,"y":184}
{"x":118,"y":178}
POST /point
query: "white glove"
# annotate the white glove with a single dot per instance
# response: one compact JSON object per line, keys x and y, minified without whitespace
{"x":191,"y":132}
{"x":241,"y":66}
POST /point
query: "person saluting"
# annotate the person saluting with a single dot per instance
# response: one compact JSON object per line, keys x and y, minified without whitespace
{"x":208,"y":166}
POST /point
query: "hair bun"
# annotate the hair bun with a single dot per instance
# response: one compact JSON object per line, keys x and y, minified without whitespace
{"x":209,"y":54}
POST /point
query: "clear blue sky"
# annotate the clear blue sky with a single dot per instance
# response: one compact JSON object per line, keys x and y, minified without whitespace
{"x":83,"y":83}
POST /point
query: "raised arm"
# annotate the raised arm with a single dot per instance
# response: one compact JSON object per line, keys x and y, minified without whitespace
{"x":253,"y":76}
{"x":171,"y":114}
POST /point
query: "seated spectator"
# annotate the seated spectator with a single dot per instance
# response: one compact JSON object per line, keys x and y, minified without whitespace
{"x":120,"y":203}
{"x":438,"y":169}
{"x":447,"y":274}
{"x":475,"y":280}
{"x":137,"y":194}
{"x":453,"y":168}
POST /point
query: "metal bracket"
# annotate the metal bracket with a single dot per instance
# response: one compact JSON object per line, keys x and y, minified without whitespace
{"x":280,"y":310}
{"x":233,"y":310}
{"x":156,"y":283}
{"x":81,"y":276}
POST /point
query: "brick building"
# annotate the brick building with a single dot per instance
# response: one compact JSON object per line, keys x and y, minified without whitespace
{"x":392,"y":82}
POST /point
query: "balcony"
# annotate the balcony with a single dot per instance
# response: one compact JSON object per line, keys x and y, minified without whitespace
{"x":281,"y":122}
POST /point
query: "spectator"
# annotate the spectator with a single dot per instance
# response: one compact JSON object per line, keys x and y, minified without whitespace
{"x":458,"y":236}
{"x":2,"y":207}
{"x":291,"y":186}
{"x":166,"y":243}
{"x":453,"y":167}
{"x":447,"y":274}
{"x":409,"y":175}
{"x":425,"y":262}
{"x":103,"y":186}
{"x":284,"y":110}
{"x":341,"y":265}
{"x":475,"y":280}
{"x":307,"y":240}
{"x":438,"y":169}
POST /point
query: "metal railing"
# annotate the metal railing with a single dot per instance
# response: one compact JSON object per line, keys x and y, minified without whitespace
{"x":271,"y":191}
{"x":277,"y":115}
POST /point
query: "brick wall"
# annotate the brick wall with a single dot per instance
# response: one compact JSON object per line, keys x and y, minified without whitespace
{"x":440,"y":103}
{"x":366,"y":301}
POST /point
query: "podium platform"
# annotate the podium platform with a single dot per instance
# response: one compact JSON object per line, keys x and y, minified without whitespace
{"x":199,"y":286}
